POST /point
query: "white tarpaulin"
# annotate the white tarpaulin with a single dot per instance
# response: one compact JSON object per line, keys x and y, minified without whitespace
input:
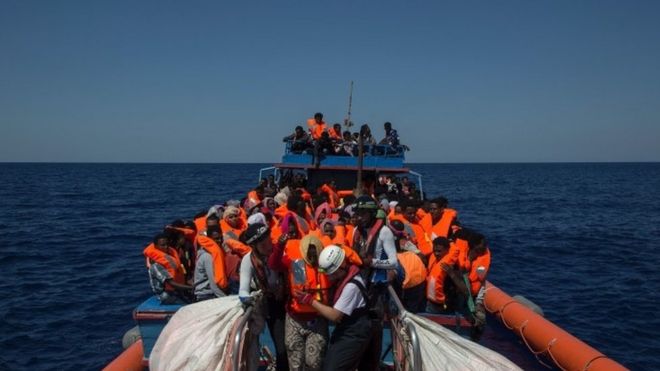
{"x":443,"y":349}
{"x":198,"y":337}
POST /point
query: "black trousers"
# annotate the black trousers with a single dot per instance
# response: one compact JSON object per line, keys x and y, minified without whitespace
{"x":348,"y":343}
{"x":275,"y":322}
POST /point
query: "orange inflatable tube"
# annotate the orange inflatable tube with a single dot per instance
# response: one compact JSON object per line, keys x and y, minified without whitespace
{"x":544,"y":337}
{"x":129,"y":360}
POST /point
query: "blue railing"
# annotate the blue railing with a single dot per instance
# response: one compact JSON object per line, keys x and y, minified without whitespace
{"x":380,"y":150}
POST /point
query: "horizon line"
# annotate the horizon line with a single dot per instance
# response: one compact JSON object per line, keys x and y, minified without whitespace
{"x":261,"y":163}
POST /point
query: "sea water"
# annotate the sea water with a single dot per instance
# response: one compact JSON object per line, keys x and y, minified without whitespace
{"x":580,"y":240}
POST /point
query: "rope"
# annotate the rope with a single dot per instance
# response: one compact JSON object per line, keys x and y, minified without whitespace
{"x":586,"y":366}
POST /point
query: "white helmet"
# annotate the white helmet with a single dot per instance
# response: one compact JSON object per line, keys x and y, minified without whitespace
{"x":330,"y":259}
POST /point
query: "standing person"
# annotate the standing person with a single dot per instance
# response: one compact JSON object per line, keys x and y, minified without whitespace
{"x":348,"y":348}
{"x":419,"y":236}
{"x":166,"y":274}
{"x":471,"y":281}
{"x":438,"y":221}
{"x":305,"y":332}
{"x":374,"y":242}
{"x":438,"y":300}
{"x":316,"y":126}
{"x":411,"y":274}
{"x":256,"y":276}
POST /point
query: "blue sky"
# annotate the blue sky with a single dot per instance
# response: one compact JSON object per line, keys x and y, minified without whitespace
{"x":211,"y":81}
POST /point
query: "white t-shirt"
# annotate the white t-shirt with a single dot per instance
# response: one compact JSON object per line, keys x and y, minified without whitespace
{"x":351,"y":298}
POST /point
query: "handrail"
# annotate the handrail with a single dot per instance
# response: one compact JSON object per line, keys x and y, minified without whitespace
{"x":238,"y":338}
{"x":261,"y":171}
{"x":414,"y":339}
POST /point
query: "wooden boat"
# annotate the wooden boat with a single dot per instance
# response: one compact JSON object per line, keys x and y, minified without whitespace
{"x":514,"y":330}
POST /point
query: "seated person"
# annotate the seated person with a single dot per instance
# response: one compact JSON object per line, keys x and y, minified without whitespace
{"x":300,"y":140}
{"x":210,"y":275}
{"x":391,"y":136}
{"x":335,"y":133}
{"x":348,"y":146}
{"x":166,"y":273}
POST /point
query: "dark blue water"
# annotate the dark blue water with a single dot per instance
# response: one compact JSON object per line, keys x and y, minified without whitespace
{"x":580,"y":240}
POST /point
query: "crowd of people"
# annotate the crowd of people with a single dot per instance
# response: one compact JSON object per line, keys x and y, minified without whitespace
{"x":320,"y":139}
{"x":305,"y":257}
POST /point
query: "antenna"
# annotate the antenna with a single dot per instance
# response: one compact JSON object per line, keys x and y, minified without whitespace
{"x":347,"y":121}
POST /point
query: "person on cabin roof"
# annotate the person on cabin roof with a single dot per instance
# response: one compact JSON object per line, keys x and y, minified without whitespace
{"x":300,"y":140}
{"x":367,"y":138}
{"x":166,"y":274}
{"x":348,"y":145}
{"x":335,"y":133}
{"x":316,"y":126}
{"x":349,"y":346}
{"x":391,"y":136}
{"x":262,"y":288}
{"x":210,"y":275}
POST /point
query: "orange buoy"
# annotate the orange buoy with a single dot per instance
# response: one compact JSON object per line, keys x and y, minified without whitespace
{"x":544,"y":337}
{"x":129,"y":360}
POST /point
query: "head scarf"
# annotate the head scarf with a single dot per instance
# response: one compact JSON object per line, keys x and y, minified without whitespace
{"x":231,"y":210}
{"x":304,"y":247}
{"x":323,"y":207}
{"x":257,"y":218}
{"x":385,"y":205}
{"x":215,"y":209}
{"x":281,"y":198}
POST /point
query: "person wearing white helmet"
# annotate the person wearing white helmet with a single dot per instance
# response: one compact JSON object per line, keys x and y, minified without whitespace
{"x":349,"y":341}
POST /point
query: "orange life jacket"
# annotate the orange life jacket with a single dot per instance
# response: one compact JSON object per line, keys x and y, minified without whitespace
{"x":333,"y":197}
{"x":316,"y":129}
{"x":476,"y":280}
{"x":350,"y":230}
{"x":200,"y":223}
{"x":229,"y":232}
{"x":218,"y":257}
{"x":334,"y":134}
{"x":315,"y":281}
{"x":280,"y":212}
{"x":420,"y":238}
{"x":341,"y":234}
{"x":415,"y":271}
{"x":170,"y":261}
{"x":441,"y":228}
{"x":252,"y":196}
{"x":435,"y":280}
